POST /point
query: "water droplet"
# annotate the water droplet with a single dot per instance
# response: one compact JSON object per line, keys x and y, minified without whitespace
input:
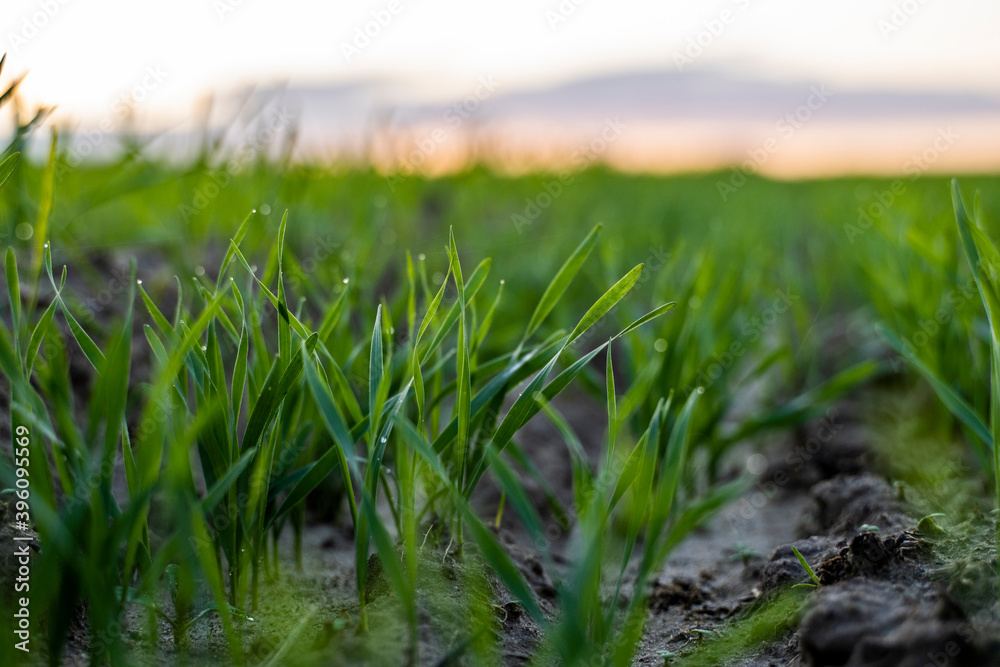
{"x":756,"y":464}
{"x":253,"y":210}
{"x":253,"y":268}
{"x":503,"y":282}
{"x":382,"y":440}
{"x":701,"y":390}
{"x":347,"y":280}
{"x":204,"y":348}
{"x":139,"y":281}
{"x":421,"y":257}
{"x":46,"y":245}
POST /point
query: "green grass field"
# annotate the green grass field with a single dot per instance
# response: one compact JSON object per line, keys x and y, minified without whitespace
{"x":204,"y":361}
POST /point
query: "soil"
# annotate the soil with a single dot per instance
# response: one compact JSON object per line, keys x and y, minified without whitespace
{"x":891,"y":596}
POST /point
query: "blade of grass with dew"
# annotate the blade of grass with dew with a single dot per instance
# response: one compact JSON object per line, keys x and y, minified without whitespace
{"x":293,"y":321}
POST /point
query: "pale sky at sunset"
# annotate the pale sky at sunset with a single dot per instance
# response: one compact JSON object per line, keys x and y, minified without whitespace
{"x":84,"y":54}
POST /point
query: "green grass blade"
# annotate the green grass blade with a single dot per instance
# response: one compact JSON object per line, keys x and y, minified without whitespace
{"x":948,"y":396}
{"x":238,"y":385}
{"x":651,"y":315}
{"x":985,"y":270}
{"x":561,"y":281}
{"x":463,"y":405}
{"x":226,"y":481}
{"x":14,"y":294}
{"x":7,"y":167}
{"x":293,"y":321}
{"x":40,"y":236}
{"x":805,"y":565}
{"x":489,"y":548}
{"x":237,"y":239}
{"x":470,"y":290}
{"x":37,"y":336}
{"x":86,"y":343}
{"x":278,"y":384}
{"x":284,"y":329}
{"x":161,"y":322}
{"x":607,"y":301}
{"x":342,"y":438}
{"x":376,"y":372}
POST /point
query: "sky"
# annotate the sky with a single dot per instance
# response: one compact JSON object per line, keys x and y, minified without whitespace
{"x":85,"y":55}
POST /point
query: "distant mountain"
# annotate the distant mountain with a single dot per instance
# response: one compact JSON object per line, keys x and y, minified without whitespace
{"x":652,"y":96}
